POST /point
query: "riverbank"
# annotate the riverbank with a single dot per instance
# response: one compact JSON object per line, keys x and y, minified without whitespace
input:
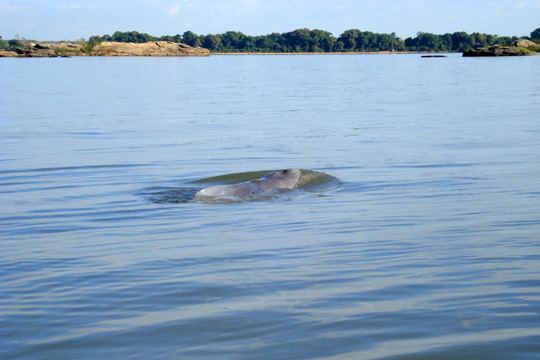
{"x":130,"y":49}
{"x":330,"y":53}
{"x":167,"y":48}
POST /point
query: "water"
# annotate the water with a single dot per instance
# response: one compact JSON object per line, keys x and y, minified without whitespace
{"x":422,"y":242}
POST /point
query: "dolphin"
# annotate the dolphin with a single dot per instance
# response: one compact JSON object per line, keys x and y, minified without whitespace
{"x":286,"y":179}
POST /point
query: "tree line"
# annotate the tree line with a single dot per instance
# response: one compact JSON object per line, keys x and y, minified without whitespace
{"x":11,"y":45}
{"x":306,"y":40}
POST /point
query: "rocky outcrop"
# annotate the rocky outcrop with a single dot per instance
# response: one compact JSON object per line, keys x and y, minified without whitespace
{"x":4,"y":53}
{"x":154,"y":48}
{"x":524,"y":43}
{"x":497,"y":51}
{"x":49,"y":50}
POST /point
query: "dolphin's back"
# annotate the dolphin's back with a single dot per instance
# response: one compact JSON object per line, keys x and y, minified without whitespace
{"x":286,"y":179}
{"x":241,"y":189}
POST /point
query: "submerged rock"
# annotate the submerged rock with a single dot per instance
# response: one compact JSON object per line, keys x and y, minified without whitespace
{"x":497,"y":50}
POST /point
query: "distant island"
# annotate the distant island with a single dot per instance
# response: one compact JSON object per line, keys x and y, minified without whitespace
{"x":297,"y":41}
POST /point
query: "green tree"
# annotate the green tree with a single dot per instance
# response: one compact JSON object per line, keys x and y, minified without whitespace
{"x":14,"y":43}
{"x":177,"y":38}
{"x":132,"y":37}
{"x":348,"y":38}
{"x":211,"y":42}
{"x":382,"y":42}
{"x":356,"y":40}
{"x":535,"y":35}
{"x":191,"y":39}
{"x":278,"y":42}
{"x":480,"y":39}
{"x":232,"y":41}
{"x":339,"y":46}
{"x":96,"y":40}
{"x":462,"y":41}
{"x":299,"y":40}
{"x":322,"y":40}
{"x":264,"y":43}
{"x":446,"y":40}
{"x":120,"y":36}
{"x":429,"y":42}
{"x":167,"y":38}
{"x":490,"y":39}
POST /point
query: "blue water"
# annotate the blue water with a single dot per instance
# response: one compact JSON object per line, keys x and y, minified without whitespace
{"x":424,"y":243}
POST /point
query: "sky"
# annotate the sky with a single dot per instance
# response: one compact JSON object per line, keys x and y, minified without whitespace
{"x":75,"y":19}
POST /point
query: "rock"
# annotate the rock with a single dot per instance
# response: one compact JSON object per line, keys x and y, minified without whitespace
{"x":49,"y":50}
{"x":496,"y":50}
{"x":4,"y":53}
{"x":153,"y":48}
{"x":524,"y":43}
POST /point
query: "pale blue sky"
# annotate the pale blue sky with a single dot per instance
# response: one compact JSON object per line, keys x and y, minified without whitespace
{"x":73,"y":19}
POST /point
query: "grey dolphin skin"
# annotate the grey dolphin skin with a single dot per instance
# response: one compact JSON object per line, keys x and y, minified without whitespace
{"x":286,"y":179}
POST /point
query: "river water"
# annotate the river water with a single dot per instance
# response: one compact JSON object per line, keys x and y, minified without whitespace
{"x":420,"y":240}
